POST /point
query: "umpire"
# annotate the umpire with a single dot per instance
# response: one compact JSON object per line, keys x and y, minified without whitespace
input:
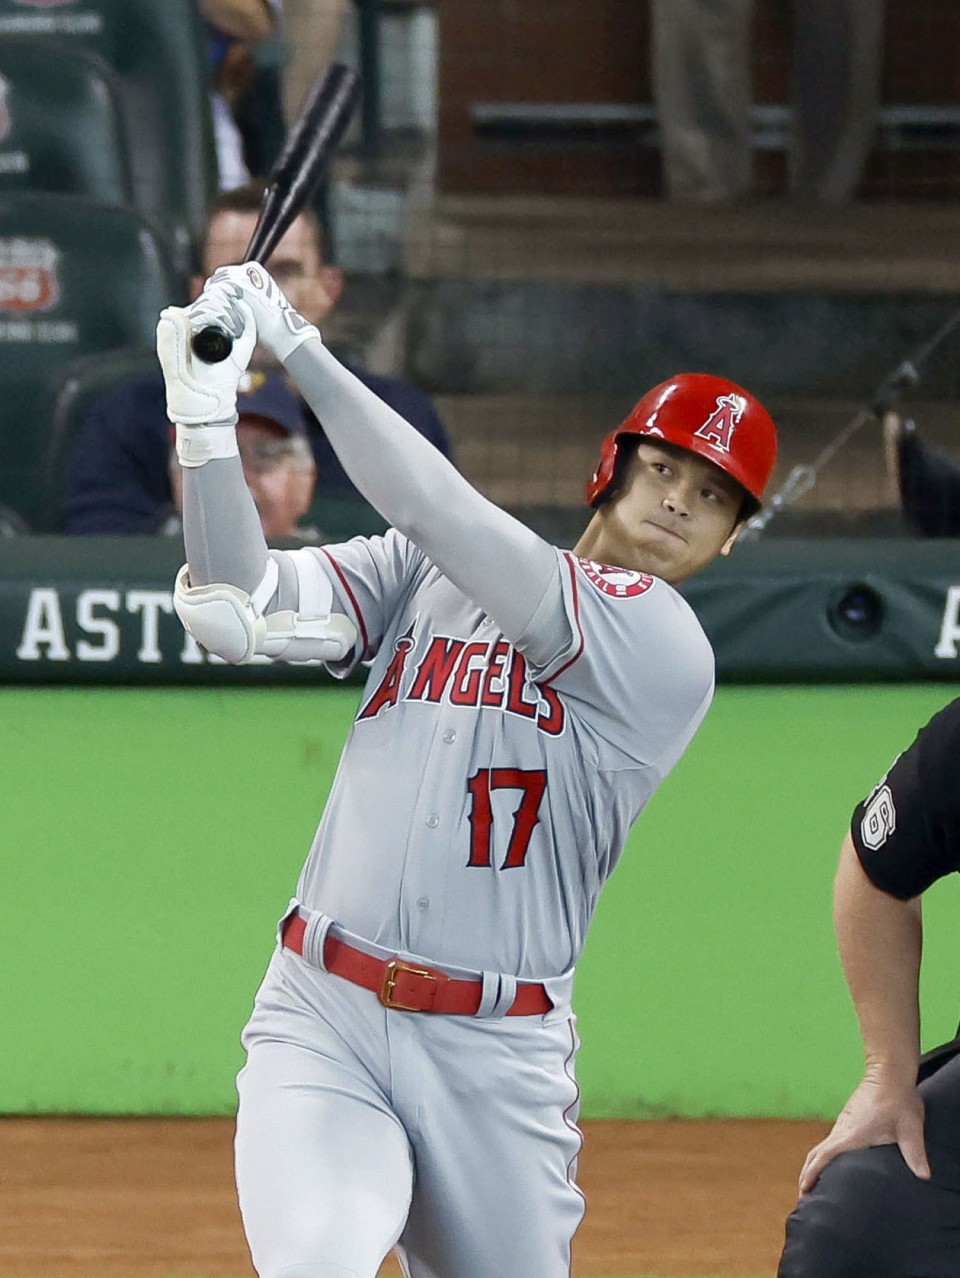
{"x":880,"y":1196}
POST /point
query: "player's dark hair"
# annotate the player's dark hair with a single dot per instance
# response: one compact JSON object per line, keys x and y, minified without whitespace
{"x":627,"y":445}
{"x":249,"y":198}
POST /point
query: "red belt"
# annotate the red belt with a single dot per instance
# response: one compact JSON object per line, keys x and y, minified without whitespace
{"x":406,"y":987}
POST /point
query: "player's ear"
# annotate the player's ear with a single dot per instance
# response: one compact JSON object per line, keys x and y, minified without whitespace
{"x":728,"y":544}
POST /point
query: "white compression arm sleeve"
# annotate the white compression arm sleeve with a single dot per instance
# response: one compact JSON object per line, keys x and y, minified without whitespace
{"x":238,"y":600}
{"x":221,"y":528}
{"x":499,"y":563}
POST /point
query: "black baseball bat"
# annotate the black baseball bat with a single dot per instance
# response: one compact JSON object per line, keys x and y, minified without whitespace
{"x":307,"y":151}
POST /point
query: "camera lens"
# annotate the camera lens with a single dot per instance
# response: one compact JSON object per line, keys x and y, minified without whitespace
{"x":856,"y":613}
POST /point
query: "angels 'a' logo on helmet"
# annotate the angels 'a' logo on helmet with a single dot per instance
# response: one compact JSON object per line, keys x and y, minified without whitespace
{"x":723,"y":421}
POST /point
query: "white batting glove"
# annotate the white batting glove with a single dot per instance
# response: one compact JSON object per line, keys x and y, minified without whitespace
{"x":198,"y":393}
{"x":281,"y":328}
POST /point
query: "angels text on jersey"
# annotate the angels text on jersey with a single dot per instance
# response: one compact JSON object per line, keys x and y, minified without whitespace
{"x":457,"y":672}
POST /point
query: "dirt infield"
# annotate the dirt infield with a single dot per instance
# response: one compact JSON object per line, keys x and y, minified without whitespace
{"x":153,"y":1198}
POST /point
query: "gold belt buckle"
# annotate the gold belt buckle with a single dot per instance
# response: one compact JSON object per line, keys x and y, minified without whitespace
{"x":394,"y":968}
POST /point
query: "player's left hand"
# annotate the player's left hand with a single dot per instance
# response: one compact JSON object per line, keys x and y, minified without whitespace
{"x":200,"y":393}
{"x":280,"y":327}
{"x":879,"y":1112}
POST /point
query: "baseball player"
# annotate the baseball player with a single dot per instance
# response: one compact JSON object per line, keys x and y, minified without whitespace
{"x":409,"y":1080}
{"x":881,"y":1194}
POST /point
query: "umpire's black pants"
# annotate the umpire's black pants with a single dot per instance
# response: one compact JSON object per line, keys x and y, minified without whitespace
{"x":868,"y":1216}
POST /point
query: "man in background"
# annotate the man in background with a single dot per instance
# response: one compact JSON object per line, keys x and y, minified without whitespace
{"x":925,"y":480}
{"x":233,"y":27}
{"x":277,"y":460}
{"x":118,"y":479}
{"x":311,"y":31}
{"x":703,"y":84}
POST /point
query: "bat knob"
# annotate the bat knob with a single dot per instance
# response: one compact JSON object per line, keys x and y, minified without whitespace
{"x":212,"y":345}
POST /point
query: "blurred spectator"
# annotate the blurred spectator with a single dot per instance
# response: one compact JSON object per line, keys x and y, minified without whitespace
{"x":233,"y":26}
{"x":11,"y":525}
{"x":703,"y":87}
{"x":926,"y":480}
{"x":118,"y":479}
{"x":283,"y":70}
{"x":311,"y":31}
{"x":277,"y":460}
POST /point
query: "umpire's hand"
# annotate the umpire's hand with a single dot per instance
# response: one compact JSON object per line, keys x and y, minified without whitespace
{"x":881,"y":1111}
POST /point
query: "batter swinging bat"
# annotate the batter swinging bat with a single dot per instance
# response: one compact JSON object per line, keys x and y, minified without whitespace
{"x":309,"y":147}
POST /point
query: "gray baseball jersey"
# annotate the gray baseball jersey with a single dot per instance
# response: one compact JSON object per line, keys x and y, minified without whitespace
{"x":481,"y":802}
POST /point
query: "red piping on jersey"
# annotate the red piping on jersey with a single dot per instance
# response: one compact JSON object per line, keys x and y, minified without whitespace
{"x":576,"y":616}
{"x":353,"y":599}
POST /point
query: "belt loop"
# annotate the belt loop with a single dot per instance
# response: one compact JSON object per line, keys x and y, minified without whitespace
{"x":506,"y":996}
{"x":318,"y":925}
{"x":497,"y":995}
{"x":291,"y":909}
{"x":488,"y":994}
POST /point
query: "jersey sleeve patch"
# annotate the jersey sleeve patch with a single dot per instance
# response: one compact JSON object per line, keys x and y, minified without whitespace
{"x":879,"y":819}
{"x":618,"y":583}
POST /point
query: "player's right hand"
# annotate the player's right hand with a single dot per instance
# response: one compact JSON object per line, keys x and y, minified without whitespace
{"x":880,"y":1112}
{"x":280,"y":327}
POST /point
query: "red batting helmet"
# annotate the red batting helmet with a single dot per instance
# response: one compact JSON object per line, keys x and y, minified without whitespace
{"x":708,"y":415}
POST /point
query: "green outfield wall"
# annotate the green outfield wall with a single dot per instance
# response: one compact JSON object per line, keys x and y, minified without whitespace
{"x":151,"y":837}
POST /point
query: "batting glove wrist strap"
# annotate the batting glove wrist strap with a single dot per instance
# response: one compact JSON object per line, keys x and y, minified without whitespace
{"x":196,"y":445}
{"x":281,"y":328}
{"x":198,"y":393}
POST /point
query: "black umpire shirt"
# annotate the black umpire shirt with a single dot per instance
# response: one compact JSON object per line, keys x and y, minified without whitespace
{"x":907,"y":831}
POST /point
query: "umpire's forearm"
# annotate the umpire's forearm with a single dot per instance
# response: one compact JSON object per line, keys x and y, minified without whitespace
{"x":880,"y":940}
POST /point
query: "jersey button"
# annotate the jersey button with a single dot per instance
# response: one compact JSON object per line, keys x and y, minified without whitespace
{"x":433,"y":822}
{"x":423,"y":903}
{"x":449,"y":736}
